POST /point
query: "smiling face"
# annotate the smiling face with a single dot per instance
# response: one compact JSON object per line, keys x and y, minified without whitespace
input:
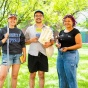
{"x":38,"y":17}
{"x":68,"y":23}
{"x":12,"y":21}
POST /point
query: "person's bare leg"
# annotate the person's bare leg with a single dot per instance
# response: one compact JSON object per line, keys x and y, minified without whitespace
{"x":41,"y":79}
{"x":15,"y":70}
{"x":3,"y":74}
{"x":32,"y":80}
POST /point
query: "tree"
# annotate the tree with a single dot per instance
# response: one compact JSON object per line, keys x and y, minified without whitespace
{"x":54,"y":10}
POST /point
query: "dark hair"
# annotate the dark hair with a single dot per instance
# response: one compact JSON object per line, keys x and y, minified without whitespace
{"x":72,"y":18}
{"x":38,"y":11}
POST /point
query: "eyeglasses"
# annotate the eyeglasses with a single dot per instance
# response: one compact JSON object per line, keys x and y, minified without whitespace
{"x":38,"y":15}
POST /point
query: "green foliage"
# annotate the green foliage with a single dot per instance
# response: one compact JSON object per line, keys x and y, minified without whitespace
{"x":84,"y":23}
{"x":54,"y":10}
{"x":84,"y":46}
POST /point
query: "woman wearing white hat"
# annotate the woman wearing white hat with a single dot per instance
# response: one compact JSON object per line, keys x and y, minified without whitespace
{"x":16,"y":48}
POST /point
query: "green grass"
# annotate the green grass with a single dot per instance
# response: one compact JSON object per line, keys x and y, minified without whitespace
{"x":85,"y":46}
{"x":51,"y":79}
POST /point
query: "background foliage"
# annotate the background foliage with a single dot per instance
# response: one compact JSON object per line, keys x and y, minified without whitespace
{"x":54,"y":11}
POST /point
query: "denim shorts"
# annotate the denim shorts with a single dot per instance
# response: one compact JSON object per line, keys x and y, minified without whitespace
{"x":11,"y":59}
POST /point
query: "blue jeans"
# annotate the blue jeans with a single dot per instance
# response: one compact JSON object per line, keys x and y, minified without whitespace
{"x":13,"y":59}
{"x":67,"y":63}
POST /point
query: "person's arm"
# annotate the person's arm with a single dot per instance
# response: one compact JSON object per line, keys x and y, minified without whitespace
{"x":58,"y":45}
{"x":4,"y":39}
{"x":78,"y":41}
{"x":22,"y":42}
{"x":29,"y":41}
{"x":24,"y":54}
{"x":78,"y":44}
{"x":47,"y":44}
{"x":27,"y":37}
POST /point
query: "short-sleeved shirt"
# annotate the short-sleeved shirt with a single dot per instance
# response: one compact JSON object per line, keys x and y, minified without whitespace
{"x":35,"y":47}
{"x":68,"y":38}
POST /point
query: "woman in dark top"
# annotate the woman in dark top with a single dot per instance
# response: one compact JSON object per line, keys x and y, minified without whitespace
{"x":16,"y":48}
{"x":69,"y":40}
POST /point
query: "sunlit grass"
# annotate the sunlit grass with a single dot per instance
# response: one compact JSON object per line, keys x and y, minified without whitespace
{"x":51,"y":78}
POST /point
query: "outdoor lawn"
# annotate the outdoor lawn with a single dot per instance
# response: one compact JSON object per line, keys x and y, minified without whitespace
{"x":51,"y":79}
